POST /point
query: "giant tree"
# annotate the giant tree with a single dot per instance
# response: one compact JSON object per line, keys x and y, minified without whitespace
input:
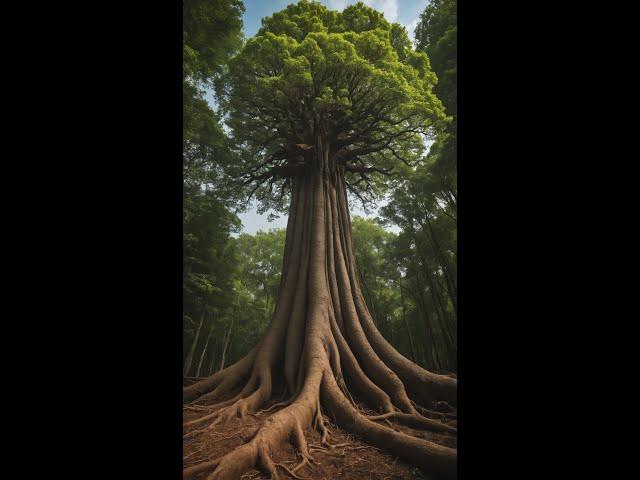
{"x":322,"y":102}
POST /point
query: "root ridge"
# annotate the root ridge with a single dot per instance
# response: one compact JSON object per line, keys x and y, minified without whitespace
{"x":322,"y":346}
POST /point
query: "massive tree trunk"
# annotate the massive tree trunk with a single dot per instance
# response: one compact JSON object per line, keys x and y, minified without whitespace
{"x":321,"y":346}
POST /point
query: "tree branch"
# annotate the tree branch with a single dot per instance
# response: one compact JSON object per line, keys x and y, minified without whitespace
{"x":350,"y":167}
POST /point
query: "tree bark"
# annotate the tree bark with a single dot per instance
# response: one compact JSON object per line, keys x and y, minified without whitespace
{"x":369,"y":297}
{"x":322,"y":345}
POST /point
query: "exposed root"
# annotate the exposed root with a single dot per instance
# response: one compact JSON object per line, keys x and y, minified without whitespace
{"x":220,"y":382}
{"x":321,"y":345}
{"x":306,"y":460}
{"x":290,"y":472}
{"x":277,"y":428}
{"x":267,"y":464}
{"x":317,"y":448}
{"x":367,"y":389}
{"x":276,"y":405}
{"x":239,"y":409}
{"x":319,"y":424}
{"x":432,"y":457}
{"x":188,"y":473}
{"x":301,"y":444}
{"x":391,"y":425}
{"x":338,"y":445}
{"x":432,"y":413}
{"x":364,"y":447}
{"x":198,"y":408}
{"x":416,"y":421}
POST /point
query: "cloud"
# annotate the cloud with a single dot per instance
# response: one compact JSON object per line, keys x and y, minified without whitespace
{"x":388,"y":7}
{"x":337,"y":4}
{"x":411,"y":27}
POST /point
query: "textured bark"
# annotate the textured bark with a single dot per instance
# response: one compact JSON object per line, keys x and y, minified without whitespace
{"x":322,"y":345}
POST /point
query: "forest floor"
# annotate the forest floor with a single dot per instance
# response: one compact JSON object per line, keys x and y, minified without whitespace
{"x":352,"y":460}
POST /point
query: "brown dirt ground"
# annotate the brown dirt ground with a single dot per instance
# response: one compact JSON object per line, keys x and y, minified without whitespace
{"x":356,"y":460}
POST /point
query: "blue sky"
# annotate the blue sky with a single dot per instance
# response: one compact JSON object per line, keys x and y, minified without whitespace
{"x":405,"y":12}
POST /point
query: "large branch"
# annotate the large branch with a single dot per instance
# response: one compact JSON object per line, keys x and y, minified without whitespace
{"x":350,"y":167}
{"x":378,"y":145}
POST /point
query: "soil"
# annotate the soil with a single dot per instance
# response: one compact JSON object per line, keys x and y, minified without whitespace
{"x":351,"y":459}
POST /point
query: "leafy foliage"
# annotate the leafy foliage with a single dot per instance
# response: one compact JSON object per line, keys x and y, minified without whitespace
{"x":350,"y":79}
{"x":211,"y":35}
{"x":424,"y":205}
{"x":436,"y":35}
{"x":254,"y":263}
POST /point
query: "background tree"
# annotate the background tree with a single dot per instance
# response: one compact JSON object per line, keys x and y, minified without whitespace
{"x":211,"y":35}
{"x":262,"y":264}
{"x":372,"y":248}
{"x":236,"y":320}
{"x":437,"y":35}
{"x":208,"y":264}
{"x":320,"y":102}
{"x":424,"y":206}
{"x":404,"y":284}
{"x":258,"y":278}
